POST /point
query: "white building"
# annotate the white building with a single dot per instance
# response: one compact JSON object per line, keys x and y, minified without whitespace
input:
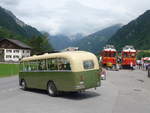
{"x":13,"y":50}
{"x":72,"y":49}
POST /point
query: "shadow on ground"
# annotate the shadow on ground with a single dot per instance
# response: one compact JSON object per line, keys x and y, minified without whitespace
{"x":69,"y":95}
{"x":80,"y":95}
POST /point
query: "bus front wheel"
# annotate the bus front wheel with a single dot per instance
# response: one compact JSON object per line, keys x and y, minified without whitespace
{"x":51,"y":89}
{"x":23,"y":85}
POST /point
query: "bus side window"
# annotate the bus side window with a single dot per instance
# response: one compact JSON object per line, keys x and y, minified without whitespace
{"x":42,"y":65}
{"x":68,"y":66}
{"x":29,"y":66}
{"x":65,"y":64}
{"x":33,"y":65}
{"x":26,"y":66}
{"x":21,"y":68}
{"x":52,"y":64}
{"x":58,"y":64}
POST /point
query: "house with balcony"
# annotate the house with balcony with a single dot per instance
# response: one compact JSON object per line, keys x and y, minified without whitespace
{"x":13,"y":50}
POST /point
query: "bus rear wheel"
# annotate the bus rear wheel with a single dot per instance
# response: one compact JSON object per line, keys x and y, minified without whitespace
{"x":23,"y":85}
{"x":51,"y":89}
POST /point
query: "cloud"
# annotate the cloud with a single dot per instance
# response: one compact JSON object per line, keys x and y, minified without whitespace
{"x":74,"y":16}
{"x":9,"y":2}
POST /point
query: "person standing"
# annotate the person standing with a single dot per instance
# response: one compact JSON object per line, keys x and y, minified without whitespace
{"x":131,"y":65}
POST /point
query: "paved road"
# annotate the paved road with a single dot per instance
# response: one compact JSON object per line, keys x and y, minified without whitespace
{"x":123,"y":92}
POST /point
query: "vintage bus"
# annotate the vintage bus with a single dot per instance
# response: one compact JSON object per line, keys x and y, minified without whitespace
{"x":109,"y":57}
{"x":70,"y":71}
{"x":128,"y":57}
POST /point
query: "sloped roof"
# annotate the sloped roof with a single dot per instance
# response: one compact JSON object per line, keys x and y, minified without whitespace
{"x":18,"y":43}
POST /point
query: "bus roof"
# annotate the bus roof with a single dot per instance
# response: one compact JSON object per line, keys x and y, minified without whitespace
{"x":75,"y":58}
{"x":129,"y":48}
{"x":110,"y":50}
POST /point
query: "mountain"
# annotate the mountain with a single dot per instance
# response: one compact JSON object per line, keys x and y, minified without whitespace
{"x":10,"y":22}
{"x":60,"y":41}
{"x":95,"y":42}
{"x":76,"y":37}
{"x":136,"y":33}
{"x":13,"y":28}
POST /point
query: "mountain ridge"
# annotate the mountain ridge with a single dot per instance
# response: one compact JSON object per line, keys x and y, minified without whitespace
{"x":136,"y":33}
{"x":9,"y":21}
{"x":96,"y":41}
{"x":13,"y":28}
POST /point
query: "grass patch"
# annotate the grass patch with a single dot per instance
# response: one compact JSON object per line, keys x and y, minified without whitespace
{"x":9,"y":70}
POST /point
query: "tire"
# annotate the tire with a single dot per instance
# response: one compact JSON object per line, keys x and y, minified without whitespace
{"x":23,"y":85}
{"x":51,"y":89}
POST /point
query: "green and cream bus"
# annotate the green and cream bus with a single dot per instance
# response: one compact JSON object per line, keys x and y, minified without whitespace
{"x":70,"y":71}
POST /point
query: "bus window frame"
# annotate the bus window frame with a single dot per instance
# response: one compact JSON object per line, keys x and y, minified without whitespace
{"x":128,"y":55}
{"x":27,"y":64}
{"x":93,"y":65}
{"x":110,"y":54}
{"x":45,"y":65}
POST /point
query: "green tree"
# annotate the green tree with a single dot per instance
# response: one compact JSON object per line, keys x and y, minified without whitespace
{"x":40,"y":45}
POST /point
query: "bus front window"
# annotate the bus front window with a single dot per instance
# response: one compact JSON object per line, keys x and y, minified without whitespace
{"x":125,"y":55}
{"x":113,"y":54}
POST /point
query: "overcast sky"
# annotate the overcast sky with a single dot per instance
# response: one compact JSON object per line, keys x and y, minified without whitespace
{"x":75,"y":16}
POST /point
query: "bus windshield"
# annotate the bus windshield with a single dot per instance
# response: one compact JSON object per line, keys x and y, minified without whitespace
{"x":109,"y":54}
{"x":129,"y":55}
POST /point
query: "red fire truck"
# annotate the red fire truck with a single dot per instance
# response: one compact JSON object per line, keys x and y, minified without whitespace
{"x":109,"y":57}
{"x":128,"y":57}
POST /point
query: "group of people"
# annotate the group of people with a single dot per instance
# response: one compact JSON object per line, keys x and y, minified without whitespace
{"x":141,"y":64}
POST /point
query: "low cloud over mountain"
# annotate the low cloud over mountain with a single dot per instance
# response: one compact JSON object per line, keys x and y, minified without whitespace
{"x":74,"y":16}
